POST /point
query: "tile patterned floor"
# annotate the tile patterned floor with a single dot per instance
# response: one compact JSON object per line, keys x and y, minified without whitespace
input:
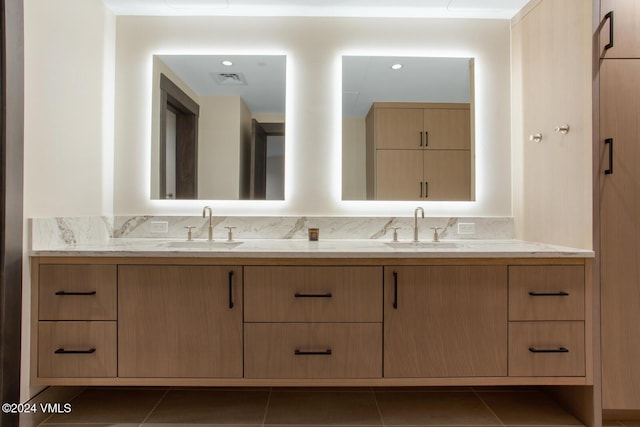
{"x":279,"y":407}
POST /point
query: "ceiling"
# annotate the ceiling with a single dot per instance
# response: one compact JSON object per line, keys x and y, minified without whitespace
{"x":481,"y":9}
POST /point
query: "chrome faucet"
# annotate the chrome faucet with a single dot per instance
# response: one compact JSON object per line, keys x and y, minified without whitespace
{"x":415,"y":223}
{"x":204,"y":214}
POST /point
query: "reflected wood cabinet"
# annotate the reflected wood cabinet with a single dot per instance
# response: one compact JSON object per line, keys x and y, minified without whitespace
{"x":310,"y":321}
{"x":418,"y":151}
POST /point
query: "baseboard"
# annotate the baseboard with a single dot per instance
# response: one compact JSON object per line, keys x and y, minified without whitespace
{"x":48,"y":395}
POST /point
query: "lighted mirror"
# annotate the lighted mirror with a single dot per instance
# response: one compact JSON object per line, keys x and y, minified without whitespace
{"x":218,"y":127}
{"x":407,"y":128}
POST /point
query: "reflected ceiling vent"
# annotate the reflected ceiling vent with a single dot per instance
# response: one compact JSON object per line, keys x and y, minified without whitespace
{"x":229,"y":79}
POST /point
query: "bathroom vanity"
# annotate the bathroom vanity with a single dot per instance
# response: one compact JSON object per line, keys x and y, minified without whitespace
{"x":341,"y":313}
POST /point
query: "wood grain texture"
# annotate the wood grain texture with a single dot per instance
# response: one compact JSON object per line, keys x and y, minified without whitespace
{"x":399,"y":175}
{"x":100,"y":336}
{"x":175,"y":321}
{"x":546,"y":279}
{"x":355,"y":350}
{"x":546,"y":335}
{"x":356,"y":294}
{"x":449,"y":321}
{"x":447,"y":175}
{"x":448,"y":129}
{"x":101,"y":279}
{"x":620,"y":234}
{"x":399,"y":128}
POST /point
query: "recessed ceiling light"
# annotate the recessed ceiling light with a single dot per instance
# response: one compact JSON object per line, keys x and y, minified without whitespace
{"x":396,"y":66}
{"x":227,"y":63}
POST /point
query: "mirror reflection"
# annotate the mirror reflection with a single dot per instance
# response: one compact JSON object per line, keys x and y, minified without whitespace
{"x":218,"y":127}
{"x":407,"y":128}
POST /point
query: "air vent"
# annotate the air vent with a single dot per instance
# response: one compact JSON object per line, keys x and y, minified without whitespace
{"x":229,"y":79}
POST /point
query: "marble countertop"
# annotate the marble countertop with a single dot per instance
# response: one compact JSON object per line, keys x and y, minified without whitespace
{"x":301,"y":248}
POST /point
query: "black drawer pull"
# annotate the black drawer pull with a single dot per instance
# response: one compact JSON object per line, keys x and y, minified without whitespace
{"x":395,"y":290}
{"x":609,"y":16}
{"x":299,"y":295}
{"x":231,"y":289}
{"x":65,"y":293}
{"x":548,"y":350}
{"x":609,"y":142}
{"x":299,"y":352}
{"x":63,"y":351}
{"x":549,"y":294}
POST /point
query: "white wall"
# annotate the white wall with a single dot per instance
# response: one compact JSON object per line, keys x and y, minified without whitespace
{"x":69,"y":123}
{"x":354,"y":151}
{"x":313,"y":128}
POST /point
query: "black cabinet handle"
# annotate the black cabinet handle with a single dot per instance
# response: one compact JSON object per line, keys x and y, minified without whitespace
{"x":549,"y":294}
{"x":299,"y":352}
{"x":548,"y":350}
{"x":421,"y":189}
{"x":610,"y":142}
{"x":63,"y":351}
{"x":420,"y":138}
{"x":426,"y":139}
{"x":609,"y":16}
{"x":65,"y":293}
{"x":395,"y":290}
{"x":426,"y":189}
{"x":299,"y":295}
{"x":231,"y":289}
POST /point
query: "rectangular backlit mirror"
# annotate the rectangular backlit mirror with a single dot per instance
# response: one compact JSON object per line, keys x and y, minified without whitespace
{"x":218,"y":127}
{"x":408,"y":128}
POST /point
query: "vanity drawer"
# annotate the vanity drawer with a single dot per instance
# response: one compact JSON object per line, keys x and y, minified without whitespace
{"x":313,"y":350}
{"x":77,"y":292}
{"x":546,"y":349}
{"x":546,"y":292}
{"x":77,"y":349}
{"x":313,"y":294}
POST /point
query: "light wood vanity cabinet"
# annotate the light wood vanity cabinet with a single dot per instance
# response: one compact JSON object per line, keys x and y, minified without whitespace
{"x":445,"y":321}
{"x":313,"y":322}
{"x":76,"y":328}
{"x":179,"y":321}
{"x":418,"y":151}
{"x":414,"y":321}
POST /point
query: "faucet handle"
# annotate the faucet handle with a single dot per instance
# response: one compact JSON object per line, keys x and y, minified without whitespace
{"x":395,"y":233}
{"x":189,"y":232}
{"x":436,"y":238}
{"x":230,"y":234}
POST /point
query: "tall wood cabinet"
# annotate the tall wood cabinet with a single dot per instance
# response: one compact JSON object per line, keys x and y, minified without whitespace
{"x":418,"y":151}
{"x":620,"y":203}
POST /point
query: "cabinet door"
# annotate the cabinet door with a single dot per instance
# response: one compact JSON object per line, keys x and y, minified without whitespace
{"x":447,"y":129}
{"x":399,"y":128}
{"x":445,"y":321}
{"x":625,"y":29}
{"x":399,"y":175}
{"x":447,"y":174}
{"x":620,"y":233}
{"x":179,"y":321}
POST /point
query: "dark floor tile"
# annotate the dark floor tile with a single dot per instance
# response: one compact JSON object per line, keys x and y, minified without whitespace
{"x":322,"y":408}
{"x":611,"y":423}
{"x":211,"y":406}
{"x":527,"y":408}
{"x":424,"y":409}
{"x":109,"y":406}
{"x":630,"y":423}
{"x":94,"y":425}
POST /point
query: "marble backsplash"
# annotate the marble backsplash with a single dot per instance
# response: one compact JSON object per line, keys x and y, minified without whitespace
{"x":70,"y":231}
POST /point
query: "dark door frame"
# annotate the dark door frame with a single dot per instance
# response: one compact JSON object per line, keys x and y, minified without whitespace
{"x":11,"y":199}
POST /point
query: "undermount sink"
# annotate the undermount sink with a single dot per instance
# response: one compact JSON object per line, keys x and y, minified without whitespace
{"x":202,"y":244}
{"x":423,"y":245}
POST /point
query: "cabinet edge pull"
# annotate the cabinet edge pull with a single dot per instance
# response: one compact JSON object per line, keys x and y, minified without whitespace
{"x":65,"y":293}
{"x":420,"y":138}
{"x":548,"y":350}
{"x":609,"y":141}
{"x":421,"y":189}
{"x":426,"y":138}
{"x":231,"y":289}
{"x":63,"y":351}
{"x":299,"y":352}
{"x":609,"y":16}
{"x":299,"y":295}
{"x":549,"y":294}
{"x":395,"y":290}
